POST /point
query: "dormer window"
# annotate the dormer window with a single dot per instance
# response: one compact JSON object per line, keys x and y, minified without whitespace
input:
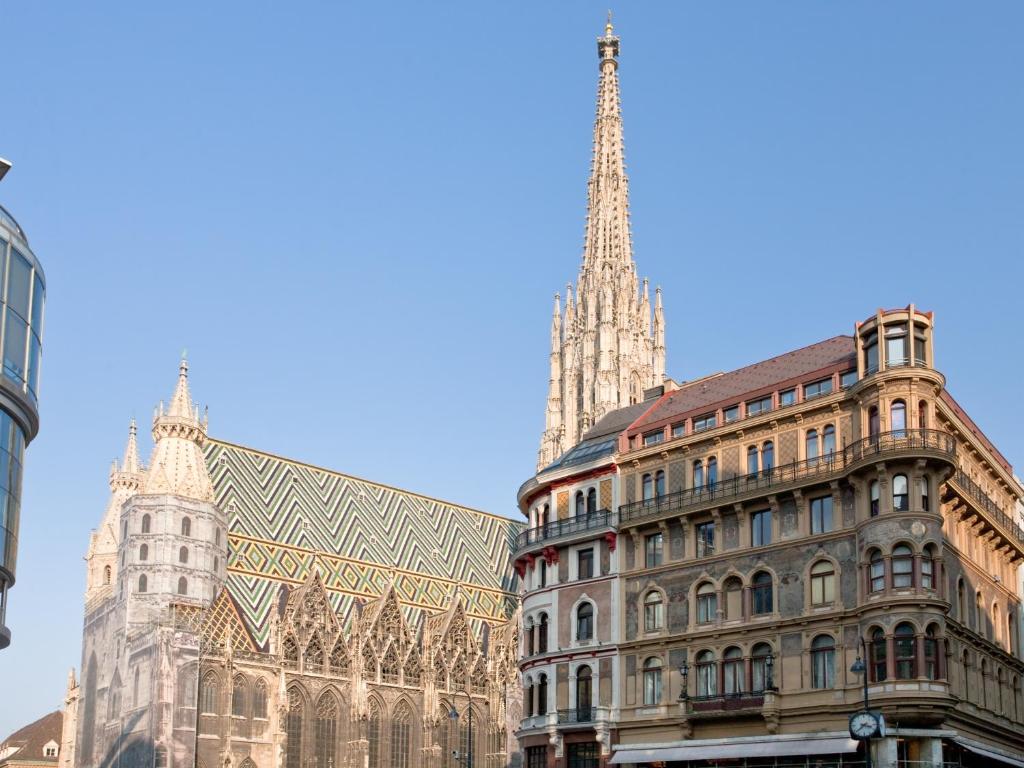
{"x":870,"y":353}
{"x":731,"y":414}
{"x":787,"y":397}
{"x":817,"y":388}
{"x":848,"y":379}
{"x":653,"y":438}
{"x":896,"y":345}
{"x":759,"y":406}
{"x":707,"y":421}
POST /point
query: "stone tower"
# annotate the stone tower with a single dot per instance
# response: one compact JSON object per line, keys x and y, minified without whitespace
{"x":605,"y":349}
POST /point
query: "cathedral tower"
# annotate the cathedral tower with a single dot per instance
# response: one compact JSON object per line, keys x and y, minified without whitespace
{"x":605,"y":348}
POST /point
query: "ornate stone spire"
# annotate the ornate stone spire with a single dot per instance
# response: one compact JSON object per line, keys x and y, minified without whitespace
{"x":177,"y":465}
{"x":607,"y":352}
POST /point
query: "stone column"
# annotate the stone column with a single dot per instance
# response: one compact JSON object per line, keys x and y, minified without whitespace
{"x":930,"y":752}
{"x":883,"y":752}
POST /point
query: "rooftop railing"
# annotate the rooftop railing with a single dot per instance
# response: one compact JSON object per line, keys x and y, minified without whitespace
{"x":795,"y":473}
{"x":558,"y":528}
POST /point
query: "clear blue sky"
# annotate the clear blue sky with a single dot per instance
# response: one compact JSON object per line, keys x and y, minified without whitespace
{"x":354,"y":216}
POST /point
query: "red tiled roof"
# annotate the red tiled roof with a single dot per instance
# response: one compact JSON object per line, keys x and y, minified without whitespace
{"x":707,"y":394}
{"x":31,"y":739}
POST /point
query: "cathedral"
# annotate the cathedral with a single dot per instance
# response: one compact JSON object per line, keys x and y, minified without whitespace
{"x":245,"y":609}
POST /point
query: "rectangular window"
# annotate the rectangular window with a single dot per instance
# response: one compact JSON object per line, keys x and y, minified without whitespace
{"x":585,"y":564}
{"x":536,"y":757}
{"x":761,"y":528}
{"x":896,"y":345}
{"x":787,"y":398}
{"x":821,"y":514}
{"x":847,"y":379}
{"x":761,"y":405}
{"x":653,"y":550}
{"x":817,"y":388}
{"x":678,"y":430}
{"x":731,"y":414}
{"x":708,"y":421}
{"x":653,"y":438}
{"x":583,"y":755}
{"x":705,"y":539}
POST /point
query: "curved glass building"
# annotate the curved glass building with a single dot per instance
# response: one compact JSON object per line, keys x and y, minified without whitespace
{"x":22,"y":296}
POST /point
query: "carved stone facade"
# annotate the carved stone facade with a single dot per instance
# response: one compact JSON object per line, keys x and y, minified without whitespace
{"x":604,"y":351}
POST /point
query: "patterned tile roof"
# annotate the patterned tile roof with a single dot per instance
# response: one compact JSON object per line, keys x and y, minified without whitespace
{"x":287,"y":519}
{"x":27,"y":744}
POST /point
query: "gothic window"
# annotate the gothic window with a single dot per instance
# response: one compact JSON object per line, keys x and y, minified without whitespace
{"x":733,"y":589}
{"x":326,"y":736}
{"x":759,"y":666}
{"x":707,"y":677}
{"x":369,"y":664}
{"x":732,"y":670}
{"x":584,"y":693}
{"x":339,"y":656}
{"x":142,"y":583}
{"x":314,"y":658}
{"x":238,"y":691}
{"x":707,"y":603}
{"x":293,"y":729}
{"x":440,"y":673}
{"x":290,"y":650}
{"x":146,"y":520}
{"x":823,"y":583}
{"x":208,"y":695}
{"x":411,"y":671}
{"x":652,"y":681}
{"x":580,"y":503}
{"x":878,"y":656}
{"x":542,"y":634}
{"x":106,"y":575}
{"x":762,"y":593}
{"x":479,"y":678}
{"x":182,"y":586}
{"x":823,"y":662}
{"x":373,"y":733}
{"x":542,"y":695}
{"x":591,"y":501}
{"x":144,"y":553}
{"x":904,"y":645}
{"x":654,"y":612}
{"x":390,"y":665}
{"x":259,"y":699}
{"x":585,"y":622}
{"x":114,"y":698}
{"x":186,"y":526}
{"x":401,"y":728}
{"x":183,"y":555}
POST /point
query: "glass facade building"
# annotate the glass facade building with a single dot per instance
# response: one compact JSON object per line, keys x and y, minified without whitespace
{"x":22,"y":297}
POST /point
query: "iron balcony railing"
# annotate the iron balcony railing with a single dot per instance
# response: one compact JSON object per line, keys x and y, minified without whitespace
{"x":728,"y":701}
{"x":769,"y":480}
{"x":576,"y":715}
{"x":979,"y":497}
{"x":558,"y":528}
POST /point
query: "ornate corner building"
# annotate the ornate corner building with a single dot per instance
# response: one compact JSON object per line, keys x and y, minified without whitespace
{"x":245,"y":609}
{"x":707,"y":562}
{"x":22,"y":296}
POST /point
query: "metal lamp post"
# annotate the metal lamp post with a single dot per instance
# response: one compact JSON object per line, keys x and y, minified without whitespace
{"x":769,"y":680}
{"x":860,"y":668}
{"x":684,"y":671}
{"x":454,"y":715}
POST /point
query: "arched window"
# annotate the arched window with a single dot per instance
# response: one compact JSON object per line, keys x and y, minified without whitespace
{"x":928,"y":568}
{"x":580,"y":503}
{"x":542,"y":634}
{"x":984,"y":683}
{"x":707,"y":603}
{"x":875,"y":496}
{"x":142,"y":583}
{"x":767,"y":456}
{"x":659,"y":483}
{"x":922,"y":415}
{"x":979,"y":614}
{"x":823,"y":583}
{"x":900,"y":494}
{"x":238,"y":691}
{"x":898,"y":418}
{"x":698,"y":474}
{"x":878,"y":656}
{"x":762,"y":593}
{"x":931,"y":653}
{"x":828,"y":440}
{"x":259,"y":700}
{"x":732,"y":671}
{"x":759,"y":667}
{"x":654,"y":612}
{"x":373,"y":736}
{"x":313,"y":659}
{"x":961,"y":602}
{"x":707,"y":679}
{"x":585,"y":622}
{"x":542,"y":573}
{"x":530,"y":642}
{"x":325,"y":736}
{"x":823,"y":662}
{"x":584,"y":693}
{"x":592,"y":501}
{"x":811,"y":443}
{"x":752,"y":460}
{"x":542,"y":695}
{"x":146,"y":521}
{"x":997,"y":625}
{"x":390,"y":665}
{"x":208,"y":695}
{"x":877,"y":571}
{"x":922,"y":486}
{"x":652,"y":681}
{"x":648,"y":487}
{"x":733,"y":589}
{"x":216,"y":537}
{"x":401,"y":730}
{"x":182,"y":586}
{"x":904,"y":647}
{"x":873,"y":424}
{"x":902,"y":567}
{"x":712,"y":472}
{"x":186,"y":526}
{"x":528,"y":698}
{"x":183,"y":555}
{"x":144,"y":552}
{"x":106,"y":574}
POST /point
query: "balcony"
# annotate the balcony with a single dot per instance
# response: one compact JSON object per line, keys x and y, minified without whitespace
{"x":887,"y":445}
{"x":558,"y":529}
{"x":980,"y":499}
{"x":577,"y":716}
{"x":729,"y":702}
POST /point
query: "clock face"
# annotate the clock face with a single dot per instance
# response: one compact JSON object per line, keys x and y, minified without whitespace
{"x":863,"y":725}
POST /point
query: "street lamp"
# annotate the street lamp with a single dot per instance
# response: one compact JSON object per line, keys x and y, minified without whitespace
{"x":865,"y":724}
{"x":684,"y":671}
{"x":769,"y":680}
{"x":454,"y":715}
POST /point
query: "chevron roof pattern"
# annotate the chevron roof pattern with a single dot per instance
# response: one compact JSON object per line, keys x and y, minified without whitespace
{"x":287,"y":519}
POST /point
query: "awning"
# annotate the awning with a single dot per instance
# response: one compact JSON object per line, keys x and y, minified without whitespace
{"x":724,"y":750}
{"x":983,"y":752}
